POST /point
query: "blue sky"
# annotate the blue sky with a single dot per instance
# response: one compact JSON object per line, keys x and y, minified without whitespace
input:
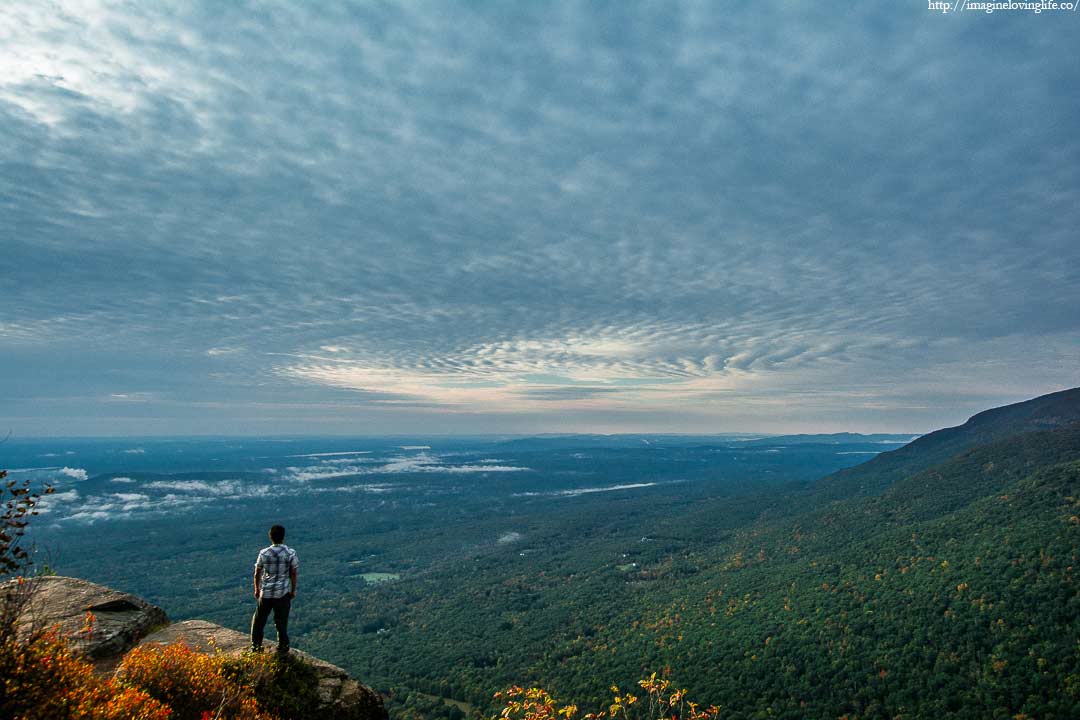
{"x":524,"y":217}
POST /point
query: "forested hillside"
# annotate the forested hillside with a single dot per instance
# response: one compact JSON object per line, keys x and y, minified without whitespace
{"x":773,"y":577}
{"x":951,"y":591}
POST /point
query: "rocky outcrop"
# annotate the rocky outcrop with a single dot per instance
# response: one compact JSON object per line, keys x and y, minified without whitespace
{"x":340,"y":695}
{"x":122,"y":621}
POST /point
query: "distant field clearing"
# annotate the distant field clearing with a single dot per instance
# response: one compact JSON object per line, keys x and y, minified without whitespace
{"x":377,"y":577}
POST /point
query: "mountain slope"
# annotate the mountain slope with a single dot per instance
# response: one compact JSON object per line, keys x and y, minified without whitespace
{"x":952,"y":594}
{"x":1042,"y":413}
{"x":972,"y":613}
{"x":949,"y":591}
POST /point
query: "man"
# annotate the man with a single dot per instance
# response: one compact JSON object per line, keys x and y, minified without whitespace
{"x":275,"y":587}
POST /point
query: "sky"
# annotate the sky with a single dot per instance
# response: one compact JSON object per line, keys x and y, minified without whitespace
{"x":498,"y":217}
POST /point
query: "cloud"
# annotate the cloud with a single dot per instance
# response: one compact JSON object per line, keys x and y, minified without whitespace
{"x":48,"y":503}
{"x":422,"y":462}
{"x":567,"y":392}
{"x":219,"y":488}
{"x":188,"y":485}
{"x":131,"y":397}
{"x":574,"y":492}
{"x":158,"y":497}
{"x":548,"y":217}
{"x":73,"y":473}
{"x":361,"y":488}
{"x":131,"y":501}
{"x":324,"y":472}
{"x":463,"y":469}
{"x":90,"y":516}
{"x":347,"y":460}
{"x":332,"y":454}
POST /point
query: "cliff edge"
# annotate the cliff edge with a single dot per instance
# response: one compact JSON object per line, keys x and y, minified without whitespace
{"x":123,"y":621}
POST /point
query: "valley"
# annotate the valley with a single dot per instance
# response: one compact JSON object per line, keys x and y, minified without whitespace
{"x":783,"y":576}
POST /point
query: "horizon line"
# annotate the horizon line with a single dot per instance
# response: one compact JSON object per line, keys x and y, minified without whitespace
{"x":744,"y":435}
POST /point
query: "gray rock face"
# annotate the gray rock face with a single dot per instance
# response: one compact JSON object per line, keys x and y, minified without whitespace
{"x":123,"y":621}
{"x":120,"y":619}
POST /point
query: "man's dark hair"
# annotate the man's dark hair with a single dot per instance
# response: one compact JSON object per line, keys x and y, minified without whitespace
{"x":277,"y":534}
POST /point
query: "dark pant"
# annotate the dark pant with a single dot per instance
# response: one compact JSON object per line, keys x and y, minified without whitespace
{"x":280,"y":607}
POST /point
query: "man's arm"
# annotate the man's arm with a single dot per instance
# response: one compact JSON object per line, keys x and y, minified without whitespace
{"x":292,"y":582}
{"x":258,"y":580}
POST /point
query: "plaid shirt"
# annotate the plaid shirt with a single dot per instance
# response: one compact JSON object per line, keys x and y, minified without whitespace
{"x":276,"y":561}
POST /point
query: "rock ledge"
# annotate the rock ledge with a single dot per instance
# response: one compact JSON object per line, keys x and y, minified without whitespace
{"x":123,"y":621}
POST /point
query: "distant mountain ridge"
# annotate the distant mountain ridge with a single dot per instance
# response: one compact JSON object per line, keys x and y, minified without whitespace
{"x":661,"y":440}
{"x":1047,"y":412}
{"x":842,"y":438}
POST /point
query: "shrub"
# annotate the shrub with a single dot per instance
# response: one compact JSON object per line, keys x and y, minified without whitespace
{"x":659,"y":701}
{"x":19,"y":504}
{"x":195,"y":685}
{"x":286,"y":687}
{"x":44,"y":680}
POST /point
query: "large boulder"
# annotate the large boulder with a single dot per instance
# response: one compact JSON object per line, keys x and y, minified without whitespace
{"x":120,"y":620}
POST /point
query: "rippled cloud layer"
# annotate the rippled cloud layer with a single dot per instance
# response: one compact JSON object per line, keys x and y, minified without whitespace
{"x":451,"y":217}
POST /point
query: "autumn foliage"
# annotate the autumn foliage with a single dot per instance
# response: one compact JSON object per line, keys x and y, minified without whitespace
{"x":657,"y":700}
{"x":193,"y":684}
{"x":44,"y":679}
